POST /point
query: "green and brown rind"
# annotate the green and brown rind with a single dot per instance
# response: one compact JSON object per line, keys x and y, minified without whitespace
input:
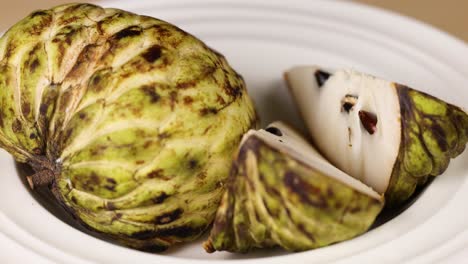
{"x":136,"y":120}
{"x":433,"y":132}
{"x":275,"y":200}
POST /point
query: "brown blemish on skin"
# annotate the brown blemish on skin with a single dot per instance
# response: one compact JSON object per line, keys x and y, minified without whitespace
{"x":168,"y":217}
{"x":16,"y":126}
{"x":220,"y":100}
{"x":151,"y":93}
{"x":173,"y":99}
{"x":440,"y":136}
{"x":208,"y":110}
{"x":160,"y":198}
{"x":111,"y":181}
{"x":43,"y":109}
{"x":128,"y":32}
{"x":110,"y":206}
{"x":188,"y":100}
{"x":152,"y":54}
{"x":33,"y":66}
{"x":139,"y":162}
{"x":304,"y":190}
{"x":193,"y":163}
{"x":155,"y":174}
{"x":26,"y":108}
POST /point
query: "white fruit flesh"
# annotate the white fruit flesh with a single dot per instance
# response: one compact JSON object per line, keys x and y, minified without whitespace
{"x":340,"y":135}
{"x":292,"y":144}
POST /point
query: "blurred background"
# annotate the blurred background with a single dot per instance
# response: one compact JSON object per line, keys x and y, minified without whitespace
{"x":448,"y":15}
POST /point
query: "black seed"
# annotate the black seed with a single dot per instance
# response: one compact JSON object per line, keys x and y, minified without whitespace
{"x":152,"y":54}
{"x":347,"y":106}
{"x":275,"y":131}
{"x":321,"y":77}
{"x":368,"y":121}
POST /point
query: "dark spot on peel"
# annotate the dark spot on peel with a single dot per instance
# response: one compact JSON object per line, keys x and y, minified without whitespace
{"x":307,"y":193}
{"x":188,"y":100}
{"x":193,"y":163}
{"x":208,"y":110}
{"x":26,"y":108}
{"x":33,"y":66}
{"x":74,"y":200}
{"x":38,"y":13}
{"x":110,"y":206}
{"x":32,"y":136}
{"x":128,"y":32}
{"x":110,"y":187}
{"x":321,"y":77}
{"x":144,"y":235}
{"x":43,"y":109}
{"x":37,"y":151}
{"x":155,"y":174}
{"x":160,"y":198}
{"x":111,"y":181}
{"x":185,"y":85}
{"x":82,"y":115}
{"x":150,"y":91}
{"x":16,"y":126}
{"x":180,"y":231}
{"x":153,"y":248}
{"x":440,"y":136}
{"x":168,"y":217}
{"x":152,"y":54}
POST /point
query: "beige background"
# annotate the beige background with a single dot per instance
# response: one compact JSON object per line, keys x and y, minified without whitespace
{"x":448,"y":15}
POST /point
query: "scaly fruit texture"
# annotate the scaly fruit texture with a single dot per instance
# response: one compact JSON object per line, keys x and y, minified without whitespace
{"x":130,"y":121}
{"x":282,"y":192}
{"x":385,"y":134}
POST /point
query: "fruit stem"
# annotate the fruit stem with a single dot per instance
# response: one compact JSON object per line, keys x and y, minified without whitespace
{"x":41,"y":178}
{"x":208,"y":246}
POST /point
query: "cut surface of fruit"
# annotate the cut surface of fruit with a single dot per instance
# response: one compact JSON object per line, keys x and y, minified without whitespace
{"x":385,"y":134}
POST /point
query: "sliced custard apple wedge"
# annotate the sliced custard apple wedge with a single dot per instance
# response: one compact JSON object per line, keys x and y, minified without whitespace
{"x":385,"y":134}
{"x":130,"y":121}
{"x":282,"y":192}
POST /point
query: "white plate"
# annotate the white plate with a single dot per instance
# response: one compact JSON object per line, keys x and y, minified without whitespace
{"x":261,"y":39}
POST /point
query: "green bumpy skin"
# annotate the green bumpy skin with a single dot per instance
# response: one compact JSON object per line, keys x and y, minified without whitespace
{"x":274,"y":200}
{"x":134,"y":120}
{"x":433,"y":132}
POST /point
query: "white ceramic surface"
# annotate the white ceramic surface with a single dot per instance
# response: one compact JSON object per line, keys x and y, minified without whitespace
{"x":261,"y":39}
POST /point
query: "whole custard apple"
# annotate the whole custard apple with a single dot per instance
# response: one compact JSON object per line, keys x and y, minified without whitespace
{"x":128,"y":120}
